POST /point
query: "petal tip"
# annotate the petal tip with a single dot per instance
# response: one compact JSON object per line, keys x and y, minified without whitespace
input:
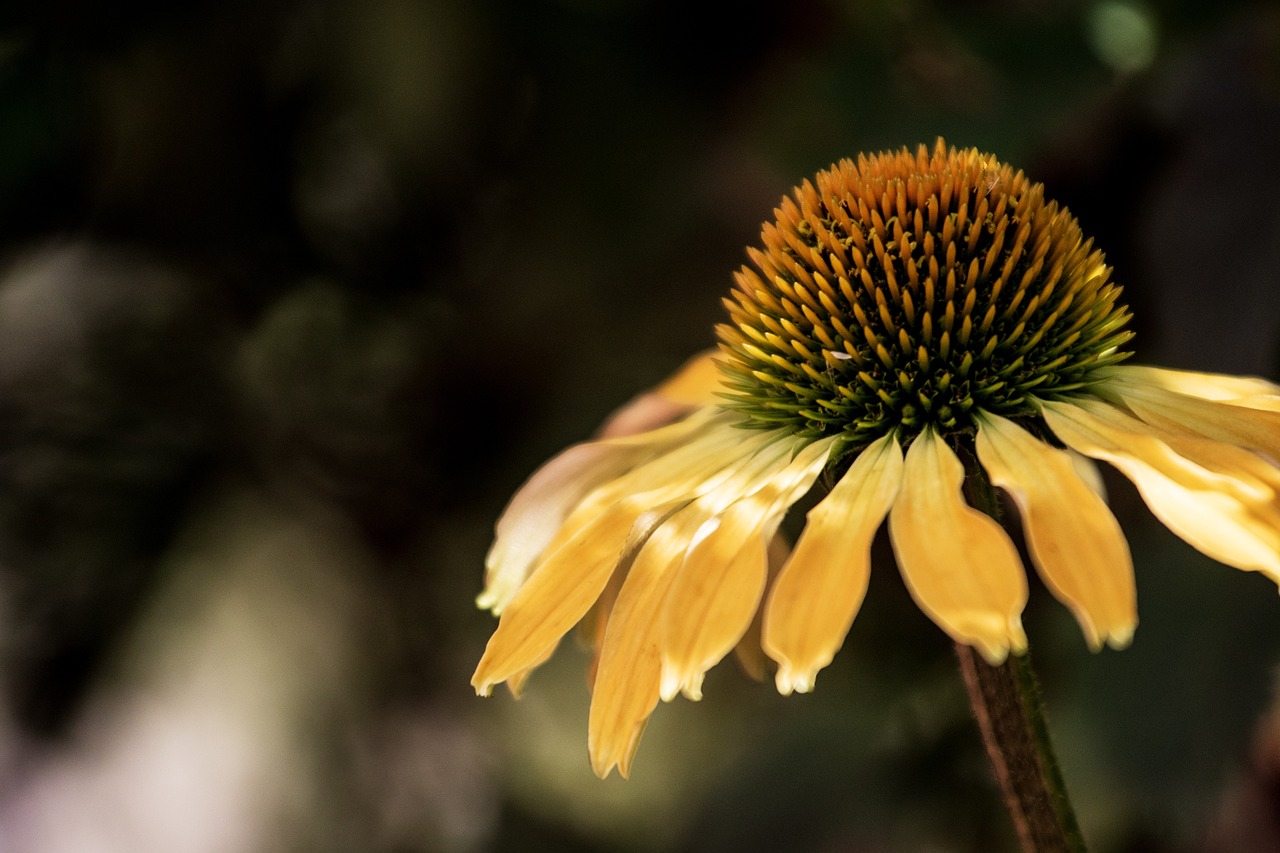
{"x":1121,"y":637}
{"x":488,"y":600}
{"x":602,"y":768}
{"x":790,"y":680}
{"x":674,"y":682}
{"x":993,"y":654}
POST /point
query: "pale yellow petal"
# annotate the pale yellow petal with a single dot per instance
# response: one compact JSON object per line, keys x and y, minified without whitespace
{"x":1230,"y":519}
{"x":1209,"y":386}
{"x":1074,"y":540}
{"x":816,"y":596}
{"x":1244,"y":426}
{"x":718,"y":588}
{"x":559,"y":593}
{"x":1188,"y":456}
{"x":959,"y":564}
{"x":1266,"y":402}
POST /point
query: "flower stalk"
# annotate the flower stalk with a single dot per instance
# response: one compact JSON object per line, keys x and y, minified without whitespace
{"x":1011,"y":716}
{"x":1006,"y":703}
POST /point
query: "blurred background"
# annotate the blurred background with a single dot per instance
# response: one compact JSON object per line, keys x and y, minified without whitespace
{"x":294,"y":294}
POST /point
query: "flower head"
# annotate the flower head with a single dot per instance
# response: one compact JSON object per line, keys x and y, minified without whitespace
{"x":913,"y":321}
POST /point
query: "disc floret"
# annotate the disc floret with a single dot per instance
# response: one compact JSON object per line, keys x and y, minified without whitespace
{"x":912,"y":290}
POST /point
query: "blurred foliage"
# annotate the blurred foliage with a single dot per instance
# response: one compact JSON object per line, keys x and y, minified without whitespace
{"x":295,"y":294}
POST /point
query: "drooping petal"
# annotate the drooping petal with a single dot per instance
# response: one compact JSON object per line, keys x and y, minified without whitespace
{"x":818,"y":593}
{"x":580,"y":559}
{"x":1074,"y":540}
{"x":591,"y":628}
{"x":629,"y":667}
{"x":959,"y":564}
{"x":718,"y":588}
{"x":629,"y":673}
{"x":1230,"y":519}
{"x":749,"y":652}
{"x":515,"y":684}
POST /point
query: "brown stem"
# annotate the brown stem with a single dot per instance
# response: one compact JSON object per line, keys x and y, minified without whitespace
{"x":1006,"y":704}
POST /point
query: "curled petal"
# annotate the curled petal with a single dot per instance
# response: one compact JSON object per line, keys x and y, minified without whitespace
{"x":818,"y":593}
{"x":1074,"y":540}
{"x":630,"y":667}
{"x":718,"y":589}
{"x":1232,"y":519}
{"x":959,"y":564}
{"x":515,"y":684}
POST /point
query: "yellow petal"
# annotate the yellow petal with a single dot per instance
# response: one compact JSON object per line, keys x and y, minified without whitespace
{"x":1232,"y":520}
{"x":1209,"y":386}
{"x":515,"y":684}
{"x":1188,"y":456}
{"x":559,"y":593}
{"x":629,"y":671}
{"x":1088,"y":471}
{"x":630,"y":667}
{"x":959,"y":564}
{"x":1268,"y":402}
{"x":718,"y":588}
{"x":818,"y":593}
{"x":583,"y":555}
{"x":749,"y":651}
{"x":1074,"y":540}
{"x":1244,"y":426}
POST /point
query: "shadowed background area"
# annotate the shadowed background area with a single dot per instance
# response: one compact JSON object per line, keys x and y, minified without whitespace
{"x":293,"y":295}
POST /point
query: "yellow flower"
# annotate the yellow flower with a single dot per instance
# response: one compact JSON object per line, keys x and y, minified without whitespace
{"x":915,"y":322}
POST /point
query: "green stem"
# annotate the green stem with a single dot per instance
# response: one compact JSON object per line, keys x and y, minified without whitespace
{"x":1006,"y":703}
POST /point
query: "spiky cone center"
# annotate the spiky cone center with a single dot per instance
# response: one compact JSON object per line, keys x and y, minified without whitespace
{"x":908,"y":290}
